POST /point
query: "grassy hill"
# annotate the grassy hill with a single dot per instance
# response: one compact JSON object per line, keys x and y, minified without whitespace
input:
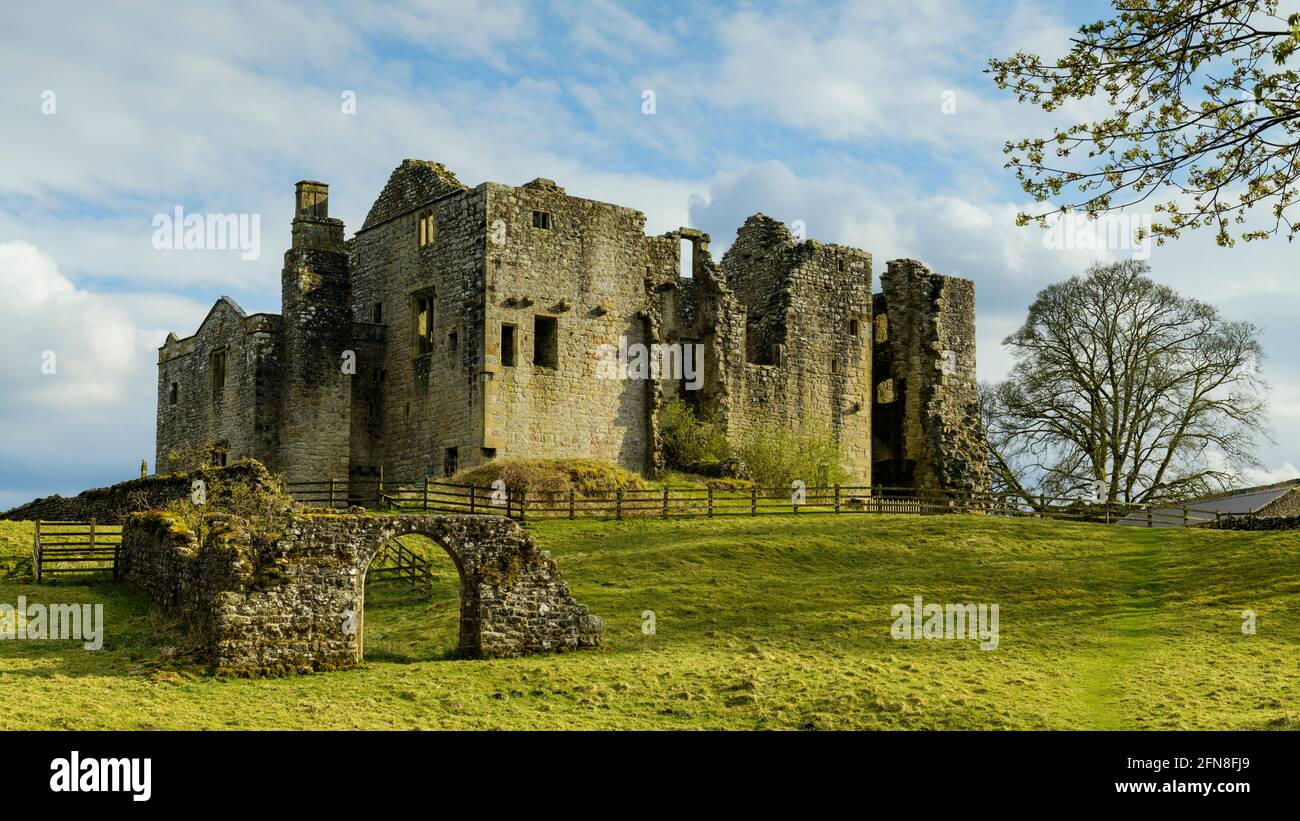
{"x":776,"y":622}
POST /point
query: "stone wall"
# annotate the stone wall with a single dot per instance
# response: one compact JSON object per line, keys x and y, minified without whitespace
{"x":807,"y":348}
{"x":929,"y":433}
{"x":573,"y":271}
{"x":309,"y":614}
{"x":111,"y":505}
{"x":427,"y":401}
{"x":241,"y":413}
{"x":1259,"y":523}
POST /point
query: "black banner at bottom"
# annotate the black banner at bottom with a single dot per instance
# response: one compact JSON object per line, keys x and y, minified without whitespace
{"x":139,"y":772}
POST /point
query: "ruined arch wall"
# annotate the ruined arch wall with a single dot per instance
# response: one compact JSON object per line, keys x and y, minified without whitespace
{"x":303,"y":612}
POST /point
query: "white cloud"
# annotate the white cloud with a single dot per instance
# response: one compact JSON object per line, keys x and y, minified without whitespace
{"x":92,"y":414}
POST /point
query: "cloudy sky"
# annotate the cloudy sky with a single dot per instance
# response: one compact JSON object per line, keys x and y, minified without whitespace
{"x":872,"y":122}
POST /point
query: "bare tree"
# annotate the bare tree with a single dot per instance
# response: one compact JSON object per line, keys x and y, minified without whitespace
{"x":1120,"y":380}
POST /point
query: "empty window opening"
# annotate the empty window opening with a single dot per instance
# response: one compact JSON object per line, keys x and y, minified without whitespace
{"x":508,"y":346}
{"x":450,"y":462}
{"x":854,"y":329}
{"x":218,"y":371}
{"x":423,"y":325}
{"x":542,"y":219}
{"x":377,"y":313}
{"x":546,"y":342}
{"x":452,"y":342}
{"x":428,"y":228}
{"x":174,"y":394}
{"x":489,"y":453}
{"x":686,"y":259}
{"x":835,"y":366}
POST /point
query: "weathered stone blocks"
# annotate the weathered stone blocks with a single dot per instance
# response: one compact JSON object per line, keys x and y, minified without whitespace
{"x":309,"y":614}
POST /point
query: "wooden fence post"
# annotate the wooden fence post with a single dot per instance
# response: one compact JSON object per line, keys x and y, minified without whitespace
{"x":837,"y":498}
{"x":36,"y":550}
{"x":92,"y":537}
{"x":1185,"y":519}
{"x":379,"y":489}
{"x":710,"y":503}
{"x":572,"y":512}
{"x":471,"y":498}
{"x":1148,"y":515}
{"x":753,"y":501}
{"x":665,"y":503}
{"x":426,"y":494}
{"x":331,"y":493}
{"x":618,"y":504}
{"x":523,"y":505}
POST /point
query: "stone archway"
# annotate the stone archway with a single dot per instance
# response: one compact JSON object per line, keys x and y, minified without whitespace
{"x":402,"y":575}
{"x":301,"y":608}
{"x":513,"y":600}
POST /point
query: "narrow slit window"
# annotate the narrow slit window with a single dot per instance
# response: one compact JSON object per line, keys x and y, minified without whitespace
{"x":428,"y":229}
{"x":377,"y":313}
{"x":423,"y":325}
{"x":686,"y":259}
{"x":174,"y":394}
{"x":508,"y":346}
{"x":218,"y":372}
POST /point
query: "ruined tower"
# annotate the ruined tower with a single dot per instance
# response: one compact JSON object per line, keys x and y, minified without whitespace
{"x":926,"y":426}
{"x":315,"y":393}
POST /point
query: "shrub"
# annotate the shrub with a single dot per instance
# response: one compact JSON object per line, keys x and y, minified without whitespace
{"x":776,"y":458}
{"x":586,"y":476}
{"x":689,"y":443}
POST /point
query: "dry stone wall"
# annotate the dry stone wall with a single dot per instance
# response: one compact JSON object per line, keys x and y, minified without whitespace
{"x":112,"y":504}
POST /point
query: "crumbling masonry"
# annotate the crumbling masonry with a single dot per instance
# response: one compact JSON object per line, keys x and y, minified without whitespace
{"x":464,"y":324}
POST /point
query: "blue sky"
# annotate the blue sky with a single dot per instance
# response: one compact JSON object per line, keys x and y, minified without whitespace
{"x":830,"y":113}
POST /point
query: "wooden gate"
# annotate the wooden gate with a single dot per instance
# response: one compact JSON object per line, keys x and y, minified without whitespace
{"x":76,"y":547}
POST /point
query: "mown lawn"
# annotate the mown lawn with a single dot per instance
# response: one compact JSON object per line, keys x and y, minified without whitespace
{"x":777,"y":622}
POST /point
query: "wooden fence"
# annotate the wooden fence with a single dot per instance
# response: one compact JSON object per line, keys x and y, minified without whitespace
{"x":76,"y":547}
{"x":395,"y":562}
{"x":429,"y":495}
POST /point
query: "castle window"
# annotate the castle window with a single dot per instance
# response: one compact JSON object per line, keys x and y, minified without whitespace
{"x":428,"y":228}
{"x":508,"y":346}
{"x":835,"y":366}
{"x":854,"y":330}
{"x":452,"y":342}
{"x":174,"y":394}
{"x":218,"y":371}
{"x":546,"y":342}
{"x":377,"y":313}
{"x":423,"y":306}
{"x":542,"y":219}
{"x":450,"y":462}
{"x":686,"y":258}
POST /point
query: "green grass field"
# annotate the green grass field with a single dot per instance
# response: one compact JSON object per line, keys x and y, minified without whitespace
{"x":778,"y":622}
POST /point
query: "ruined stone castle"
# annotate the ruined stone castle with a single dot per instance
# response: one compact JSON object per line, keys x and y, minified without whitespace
{"x":460,"y":325}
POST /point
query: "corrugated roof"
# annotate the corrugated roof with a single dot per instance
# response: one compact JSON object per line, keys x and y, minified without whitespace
{"x":1203,"y":511}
